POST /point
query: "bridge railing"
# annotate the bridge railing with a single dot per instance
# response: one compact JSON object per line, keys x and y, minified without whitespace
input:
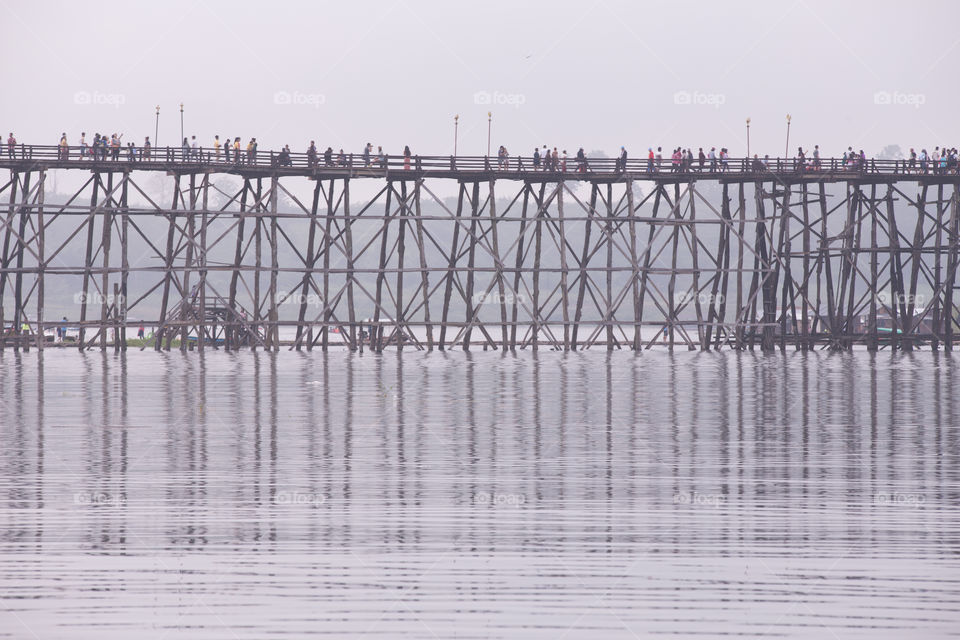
{"x":377,"y":163}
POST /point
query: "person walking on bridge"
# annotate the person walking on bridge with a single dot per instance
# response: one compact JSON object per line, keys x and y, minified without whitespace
{"x":713,"y":159}
{"x":185,"y":150}
{"x":115,"y":145}
{"x":623,"y":159}
{"x":216,"y":148}
{"x":406,"y":157}
{"x":702,"y":157}
{"x":83,"y":144}
{"x":64,"y":147}
{"x":11,"y":145}
{"x":312,"y":154}
{"x":328,"y":157}
{"x":536,"y":158}
{"x":145,"y":151}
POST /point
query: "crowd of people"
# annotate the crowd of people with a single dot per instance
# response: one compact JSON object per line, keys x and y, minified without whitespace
{"x":939,"y":162}
{"x":101,"y":147}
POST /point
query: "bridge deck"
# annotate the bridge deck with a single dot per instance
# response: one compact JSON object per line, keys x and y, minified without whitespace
{"x":267,"y":164}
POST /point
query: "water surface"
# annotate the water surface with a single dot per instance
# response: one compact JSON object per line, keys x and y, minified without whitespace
{"x":255,"y":495}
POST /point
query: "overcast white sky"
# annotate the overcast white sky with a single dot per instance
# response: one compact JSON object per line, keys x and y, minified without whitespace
{"x":592,"y":73}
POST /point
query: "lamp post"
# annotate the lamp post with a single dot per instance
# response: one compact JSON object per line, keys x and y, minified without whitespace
{"x":786,"y":153}
{"x":181,"y":120}
{"x":748,"y":139}
{"x":456,"y":124}
{"x":489,"y":125}
{"x":156,"y":129}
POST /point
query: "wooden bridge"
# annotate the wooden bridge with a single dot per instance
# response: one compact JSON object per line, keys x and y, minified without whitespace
{"x":601,"y":254}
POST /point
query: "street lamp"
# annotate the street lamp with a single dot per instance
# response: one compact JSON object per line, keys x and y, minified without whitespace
{"x":156,"y":130}
{"x":748,"y":139}
{"x":489,"y":124}
{"x":456,"y":124}
{"x":181,"y":120}
{"x":787,"y":152}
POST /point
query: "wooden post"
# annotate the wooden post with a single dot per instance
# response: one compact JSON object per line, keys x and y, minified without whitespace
{"x":168,"y":268}
{"x":564,"y":289}
{"x":400,"y":329}
{"x":537,"y":242}
{"x":41,"y":264}
{"x":451,"y":268}
{"x":634,"y":269}
{"x":873,"y":330}
{"x":471,"y":256}
{"x":498,"y":266}
{"x":376,"y":341}
{"x":233,"y":331}
{"x":424,"y":270}
{"x":19,"y":308}
{"x":124,"y":258}
{"x":584,"y":257}
{"x":186,"y":299}
{"x":274,"y":330}
{"x":518,"y":264}
{"x":952,"y":262}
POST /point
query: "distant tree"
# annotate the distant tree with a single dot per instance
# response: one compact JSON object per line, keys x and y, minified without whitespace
{"x":597,"y":154}
{"x":891,"y":152}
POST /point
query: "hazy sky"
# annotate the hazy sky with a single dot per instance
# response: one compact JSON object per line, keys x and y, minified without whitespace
{"x":596,"y":74}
